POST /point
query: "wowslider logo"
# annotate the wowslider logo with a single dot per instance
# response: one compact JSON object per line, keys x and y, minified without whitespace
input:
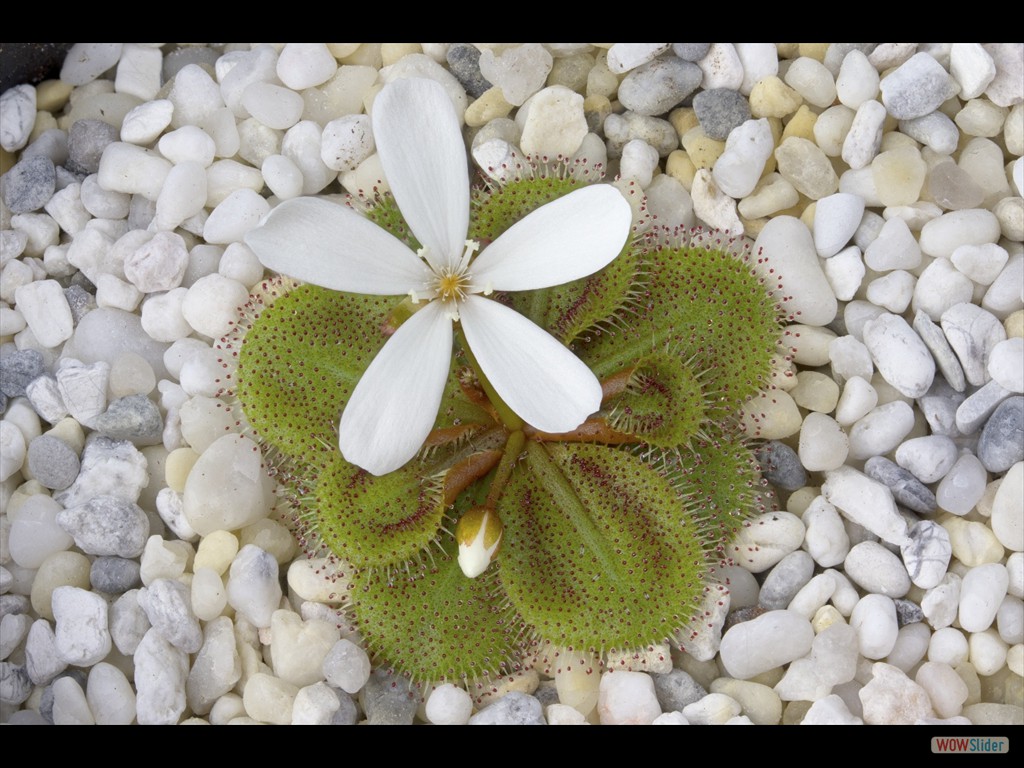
{"x":970,"y":744}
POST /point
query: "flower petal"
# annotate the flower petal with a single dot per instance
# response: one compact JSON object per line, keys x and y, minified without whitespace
{"x":332,"y":246}
{"x":395,"y":403}
{"x":569,"y":238}
{"x":424,"y":158}
{"x":539,"y":378}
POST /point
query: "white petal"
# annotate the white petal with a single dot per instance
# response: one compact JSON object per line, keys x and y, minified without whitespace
{"x":569,"y":238}
{"x":539,"y":378}
{"x":424,"y":158}
{"x":395,"y":403}
{"x":332,"y":246}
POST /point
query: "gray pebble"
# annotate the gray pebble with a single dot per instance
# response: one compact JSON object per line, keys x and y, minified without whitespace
{"x":939,"y":406}
{"x":691,"y":52}
{"x":13,"y":604}
{"x":1001,"y":444}
{"x":787,"y":578}
{"x":52,"y":462}
{"x":106,"y":525}
{"x":114,"y":575}
{"x":946,"y":360}
{"x":719,"y":110}
{"x":781,"y":466}
{"x":29,"y":185}
{"x":676,"y":689}
{"x":464,"y":62}
{"x":658,"y":86}
{"x":128,"y":622}
{"x":168,"y":607}
{"x":906,"y":489}
{"x":86,"y":142}
{"x":387,"y":699}
{"x":15,"y":686}
{"x":135,"y":418}
{"x":511,"y":709}
{"x":3,"y":402}
{"x":80,"y":301}
{"x":546,"y":694}
{"x":17,"y":369}
{"x":907,"y":612}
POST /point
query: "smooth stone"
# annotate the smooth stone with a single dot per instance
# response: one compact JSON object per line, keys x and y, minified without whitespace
{"x":902,"y":358}
{"x":972,"y":333}
{"x":973,"y":542}
{"x":17,"y":116}
{"x":876,"y":569}
{"x":974,"y":226}
{"x":836,"y":218}
{"x":928,"y":458}
{"x":823,"y":443}
{"x":906,"y":488}
{"x":981,"y":593}
{"x":766,"y":642}
{"x":514,"y":708}
{"x":881,"y":430}
{"x":29,"y":184}
{"x":916,"y":87}
{"x":786,"y":579}
{"x":866,"y":502}
{"x":806,"y":167}
{"x":963,"y":486}
{"x":945,"y":358}
{"x":387,"y":700}
{"x":300,"y":647}
{"x":114,"y":575}
{"x":781,"y":466}
{"x":252,"y":586}
{"x":1001,"y":444}
{"x":464,"y":62}
{"x":975,"y":410}
{"x":926,"y":553}
{"x":788,"y":248}
{"x":168,"y":607}
{"x":1006,"y":520}
{"x":765,"y":540}
{"x":555,"y":123}
{"x":861,"y":143}
{"x":623,"y":57}
{"x":874,"y":620}
{"x":228,"y":487}
{"x":826,"y":540}
{"x":1006,"y":364}
{"x":658,"y":86}
{"x":82,"y":635}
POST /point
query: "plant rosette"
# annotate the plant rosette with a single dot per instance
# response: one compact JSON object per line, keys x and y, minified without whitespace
{"x":508,"y":414}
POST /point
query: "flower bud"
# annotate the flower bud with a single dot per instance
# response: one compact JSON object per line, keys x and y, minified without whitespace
{"x":479,"y":536}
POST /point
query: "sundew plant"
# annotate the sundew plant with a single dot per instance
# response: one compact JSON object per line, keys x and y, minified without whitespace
{"x":508,"y":413}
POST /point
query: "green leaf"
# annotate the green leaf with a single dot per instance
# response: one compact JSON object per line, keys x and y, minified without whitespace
{"x":598,"y":553}
{"x":303,"y":357}
{"x":434,"y":624}
{"x":703,"y":303}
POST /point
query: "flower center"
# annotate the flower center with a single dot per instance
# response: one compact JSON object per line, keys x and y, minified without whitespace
{"x":452,"y":285}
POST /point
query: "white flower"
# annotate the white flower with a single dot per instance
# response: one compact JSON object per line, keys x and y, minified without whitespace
{"x":395,"y":403}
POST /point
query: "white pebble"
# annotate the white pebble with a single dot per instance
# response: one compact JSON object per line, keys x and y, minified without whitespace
{"x":133,"y":170}
{"x":823,"y":443}
{"x":901,"y":357}
{"x":973,"y":226}
{"x":70,"y":706}
{"x":928,"y":458}
{"x":228,"y":487}
{"x":864,"y":137}
{"x":948,"y":646}
{"x":315,"y":705}
{"x":1007,"y":524}
{"x":981,"y":593}
{"x":623,"y":57}
{"x":1006,"y":364}
{"x":787,"y":247}
{"x":972,"y":67}
{"x":844,"y":271}
{"x":346,"y":142}
{"x":17,"y":116}
{"x":874,"y":621}
{"x":766,"y":642}
{"x":765,"y":540}
{"x":747,"y":149}
{"x":555,"y":123}
{"x":876,"y":569}
{"x":895,"y":247}
{"x":275,"y":107}
{"x":627,"y":698}
{"x":347,"y":666}
{"x":234,"y":216}
{"x":857,"y":80}
{"x":449,"y":705}
{"x":713,"y":206}
{"x":826,"y":540}
{"x":305,"y":65}
{"x":83,"y":638}
{"x":987,"y":652}
{"x":253,"y":588}
{"x":836,"y":218}
{"x":161,"y":671}
{"x":865,"y":502}
{"x":881,"y":430}
{"x":46,"y":311}
{"x":110,"y":695}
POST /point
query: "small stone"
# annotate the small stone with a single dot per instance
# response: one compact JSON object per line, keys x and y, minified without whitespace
{"x":83,"y":388}
{"x":464,"y":62}
{"x":916,"y":87}
{"x":110,"y":695}
{"x":449,"y":705}
{"x":109,"y":468}
{"x":228,"y":487}
{"x":161,"y":671}
{"x":942,"y":236}
{"x":217,"y":667}
{"x":34,"y":534}
{"x":806,"y":167}
{"x":627,"y":698}
{"x":823,"y":443}
{"x":622,"y":57}
{"x":850,"y":358}
{"x":519,"y":71}
{"x":114,"y":575}
{"x":765,"y":540}
{"x":785,"y":580}
{"x":722,"y":67}
{"x":877,"y":570}
{"x":901,"y":357}
{"x":981,"y":593}
{"x":874,"y":621}
{"x":881,"y":430}
{"x":346,"y":666}
{"x":19,"y":369}
{"x":720,"y":110}
{"x":29,"y":184}
{"x":1006,"y":519}
{"x":1006,"y":364}
{"x":70,"y":706}
{"x":766,"y":642}
{"x":905,"y":487}
{"x":17,"y":116}
{"x":513,"y":708}
{"x":81,"y":626}
{"x":866,"y":502}
{"x":299,"y":647}
{"x":1001,"y":444}
{"x":86,"y":141}
{"x":658,"y":86}
{"x":167,"y":606}
{"x":46,"y":311}
{"x":826,"y":540}
{"x":107,"y":525}
{"x":555,"y":123}
{"x":857,"y":80}
{"x":973,"y":333}
{"x":862,"y":141}
{"x":781,"y":466}
{"x":788,"y":248}
{"x":1006,"y":90}
{"x":42,"y":661}
{"x":252,"y":585}
{"x":836,"y":218}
